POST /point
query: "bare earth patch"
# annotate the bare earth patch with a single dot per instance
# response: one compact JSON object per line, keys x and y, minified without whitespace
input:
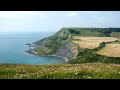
{"x":91,"y":42}
{"x":112,"y":50}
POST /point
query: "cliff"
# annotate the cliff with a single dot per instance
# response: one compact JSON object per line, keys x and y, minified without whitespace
{"x":59,"y":45}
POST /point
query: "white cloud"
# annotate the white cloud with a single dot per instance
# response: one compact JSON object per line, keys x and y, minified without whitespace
{"x":21,"y":14}
{"x":102,"y":20}
{"x":91,"y":12}
{"x":20,"y":20}
{"x":75,"y":13}
{"x":54,"y":20}
{"x":71,"y":13}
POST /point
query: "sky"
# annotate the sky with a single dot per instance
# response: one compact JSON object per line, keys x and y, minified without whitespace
{"x":52,"y":21}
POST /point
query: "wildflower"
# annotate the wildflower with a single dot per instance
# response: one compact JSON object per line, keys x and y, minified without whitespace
{"x":89,"y":77}
{"x":24,"y":75}
{"x":76,"y":73}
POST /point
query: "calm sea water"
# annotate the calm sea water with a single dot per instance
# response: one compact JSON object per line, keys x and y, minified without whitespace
{"x":12,"y":49}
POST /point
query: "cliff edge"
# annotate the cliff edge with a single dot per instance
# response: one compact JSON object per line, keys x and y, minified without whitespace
{"x":59,"y":45}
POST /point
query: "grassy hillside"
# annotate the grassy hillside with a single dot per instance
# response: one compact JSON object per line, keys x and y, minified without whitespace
{"x":50,"y":45}
{"x":60,"y":71}
{"x":86,"y":55}
{"x":115,"y":34}
{"x":99,"y":32}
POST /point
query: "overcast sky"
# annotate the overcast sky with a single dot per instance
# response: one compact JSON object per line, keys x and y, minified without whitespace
{"x":52,"y":21}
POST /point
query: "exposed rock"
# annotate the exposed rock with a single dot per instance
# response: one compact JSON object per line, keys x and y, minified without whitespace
{"x":27,"y":44}
{"x":59,"y":45}
{"x":68,"y":50}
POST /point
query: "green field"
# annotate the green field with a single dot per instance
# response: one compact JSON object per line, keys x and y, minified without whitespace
{"x":60,"y":71}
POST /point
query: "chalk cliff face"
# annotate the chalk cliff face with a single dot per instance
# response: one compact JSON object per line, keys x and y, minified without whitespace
{"x":59,"y":45}
{"x":68,"y":50}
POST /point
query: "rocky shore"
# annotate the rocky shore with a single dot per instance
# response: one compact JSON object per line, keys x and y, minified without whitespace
{"x":35,"y":53}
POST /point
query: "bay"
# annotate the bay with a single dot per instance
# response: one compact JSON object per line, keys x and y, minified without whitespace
{"x":12,"y":48}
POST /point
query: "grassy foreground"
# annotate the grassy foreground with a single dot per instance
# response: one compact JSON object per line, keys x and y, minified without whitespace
{"x":60,"y":71}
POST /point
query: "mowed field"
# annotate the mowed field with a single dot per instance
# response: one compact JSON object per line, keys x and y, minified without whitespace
{"x":112,"y":50}
{"x":91,"y":42}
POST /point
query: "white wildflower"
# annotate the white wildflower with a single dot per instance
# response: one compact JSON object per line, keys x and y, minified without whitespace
{"x":89,"y":77}
{"x":76,"y":73}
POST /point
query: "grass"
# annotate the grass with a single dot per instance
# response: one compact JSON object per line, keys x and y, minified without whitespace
{"x":87,"y":32}
{"x":91,"y":42}
{"x":115,"y":34}
{"x":91,"y":56}
{"x":112,"y":50}
{"x":60,"y":71}
{"x":98,"y":32}
{"x":95,"y":66}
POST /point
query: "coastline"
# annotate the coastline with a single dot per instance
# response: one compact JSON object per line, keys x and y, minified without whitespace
{"x":65,"y":59}
{"x":35,"y":53}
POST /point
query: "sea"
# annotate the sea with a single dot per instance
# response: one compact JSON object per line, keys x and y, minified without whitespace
{"x":12,"y":48}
